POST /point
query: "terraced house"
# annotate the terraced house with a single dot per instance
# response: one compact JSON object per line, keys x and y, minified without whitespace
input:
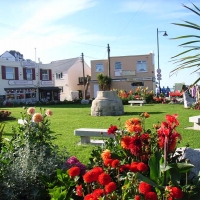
{"x":126,"y":72}
{"x":27,"y":81}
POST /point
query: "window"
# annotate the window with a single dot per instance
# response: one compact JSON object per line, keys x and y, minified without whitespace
{"x":29,"y":74}
{"x":118,"y":66}
{"x":10,"y":73}
{"x":59,"y":75}
{"x":99,"y":68}
{"x":141,"y":66}
{"x":136,"y":84}
{"x":45,"y":75}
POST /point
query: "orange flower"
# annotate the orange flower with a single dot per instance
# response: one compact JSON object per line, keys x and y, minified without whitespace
{"x":125,"y":142}
{"x":105,"y":154}
{"x":49,"y":112}
{"x":134,"y":128}
{"x":37,"y":117}
{"x":146,"y":115}
{"x":31,"y":111}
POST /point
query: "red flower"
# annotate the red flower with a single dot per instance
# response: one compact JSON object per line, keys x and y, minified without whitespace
{"x":104,"y":179}
{"x":137,"y":197}
{"x":98,"y":192}
{"x":79,"y":190}
{"x":97,"y":170}
{"x":142,"y":167}
{"x":146,"y":115}
{"x":144,"y":188}
{"x":112,"y":130}
{"x":90,"y":176}
{"x":125,"y":142}
{"x":172,"y":119}
{"x":145,"y":138}
{"x":74,"y":171}
{"x":151,"y":196}
{"x":135,"y":146}
{"x":108,"y":162}
{"x":115,"y":163}
{"x":176,"y":193}
{"x":125,"y":167}
{"x":133,"y":167}
{"x":90,"y":197}
{"x":110,"y":187}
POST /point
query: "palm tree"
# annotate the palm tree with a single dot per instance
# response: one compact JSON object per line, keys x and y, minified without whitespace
{"x":189,"y":61}
{"x":104,"y":82}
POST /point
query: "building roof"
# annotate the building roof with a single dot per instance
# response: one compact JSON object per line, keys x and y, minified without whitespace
{"x":64,"y":65}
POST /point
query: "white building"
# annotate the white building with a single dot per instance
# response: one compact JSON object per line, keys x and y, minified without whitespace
{"x":27,"y":81}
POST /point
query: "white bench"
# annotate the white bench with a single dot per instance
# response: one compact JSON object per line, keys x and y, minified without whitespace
{"x":86,"y":133}
{"x":196,"y":121}
{"x":141,"y":102}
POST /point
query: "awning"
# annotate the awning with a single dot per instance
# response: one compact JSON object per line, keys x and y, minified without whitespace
{"x":50,"y":88}
{"x":19,"y":88}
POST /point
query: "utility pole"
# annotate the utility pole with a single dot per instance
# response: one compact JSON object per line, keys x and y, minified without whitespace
{"x":82,"y":56}
{"x":108,"y":60}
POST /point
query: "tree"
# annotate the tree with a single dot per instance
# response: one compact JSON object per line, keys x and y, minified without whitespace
{"x":188,"y":61}
{"x":104,"y":82}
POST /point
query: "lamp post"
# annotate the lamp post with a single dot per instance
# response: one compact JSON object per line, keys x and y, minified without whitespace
{"x":159,"y":71}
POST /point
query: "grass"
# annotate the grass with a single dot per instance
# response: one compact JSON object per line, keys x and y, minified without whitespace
{"x":67,"y":118}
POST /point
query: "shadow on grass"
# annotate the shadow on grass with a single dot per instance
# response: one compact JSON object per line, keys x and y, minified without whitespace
{"x":138,"y":113}
{"x":7,"y":119}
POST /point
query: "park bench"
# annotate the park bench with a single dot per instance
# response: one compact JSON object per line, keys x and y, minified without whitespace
{"x":196,"y":121}
{"x":86,"y":133}
{"x":141,"y":102}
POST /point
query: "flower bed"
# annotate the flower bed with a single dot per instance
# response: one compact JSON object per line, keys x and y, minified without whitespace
{"x":4,"y":114}
{"x":139,"y":164}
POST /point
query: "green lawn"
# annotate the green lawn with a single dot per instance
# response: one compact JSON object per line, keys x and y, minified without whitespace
{"x":67,"y":117}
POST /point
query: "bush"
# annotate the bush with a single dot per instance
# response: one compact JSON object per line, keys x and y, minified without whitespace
{"x":29,"y":160}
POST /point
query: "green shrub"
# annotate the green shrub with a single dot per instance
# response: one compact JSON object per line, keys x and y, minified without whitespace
{"x":29,"y":160}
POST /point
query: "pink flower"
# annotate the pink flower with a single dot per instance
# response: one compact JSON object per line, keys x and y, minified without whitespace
{"x":49,"y":112}
{"x":37,"y":117}
{"x":31,"y":111}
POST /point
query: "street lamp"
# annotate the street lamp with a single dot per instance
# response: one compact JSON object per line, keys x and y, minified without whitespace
{"x":158,"y":70}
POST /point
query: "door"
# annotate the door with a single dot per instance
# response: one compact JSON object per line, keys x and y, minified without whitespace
{"x":96,"y":88}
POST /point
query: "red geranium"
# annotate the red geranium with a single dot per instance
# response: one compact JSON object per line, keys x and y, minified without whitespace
{"x":74,"y":171}
{"x":104,"y":179}
{"x":110,"y":187}
{"x":144,"y":188}
{"x":142,"y":167}
{"x":90,"y":176}
{"x":112,"y":130}
{"x":115,"y":163}
{"x":98,"y":192}
{"x":151,"y":196}
{"x":79,"y":190}
{"x":90,"y":197}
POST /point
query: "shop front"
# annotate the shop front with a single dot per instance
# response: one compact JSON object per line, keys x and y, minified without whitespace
{"x":49,"y":94}
{"x":21,"y":95}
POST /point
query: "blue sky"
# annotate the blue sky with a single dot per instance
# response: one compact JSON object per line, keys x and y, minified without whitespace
{"x":60,"y":29}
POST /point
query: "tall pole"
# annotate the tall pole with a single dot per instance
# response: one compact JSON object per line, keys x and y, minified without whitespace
{"x":108,"y":60}
{"x":83,"y":76}
{"x":165,"y":34}
{"x":158,"y":58}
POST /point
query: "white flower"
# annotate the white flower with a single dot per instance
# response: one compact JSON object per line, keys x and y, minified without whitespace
{"x":21,"y":121}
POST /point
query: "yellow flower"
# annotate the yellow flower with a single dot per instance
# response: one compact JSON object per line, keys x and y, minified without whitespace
{"x":49,"y":112}
{"x":37,"y":117}
{"x":31,"y":111}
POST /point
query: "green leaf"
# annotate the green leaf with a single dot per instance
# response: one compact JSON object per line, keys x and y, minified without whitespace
{"x":182,"y":167}
{"x":154,"y":165}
